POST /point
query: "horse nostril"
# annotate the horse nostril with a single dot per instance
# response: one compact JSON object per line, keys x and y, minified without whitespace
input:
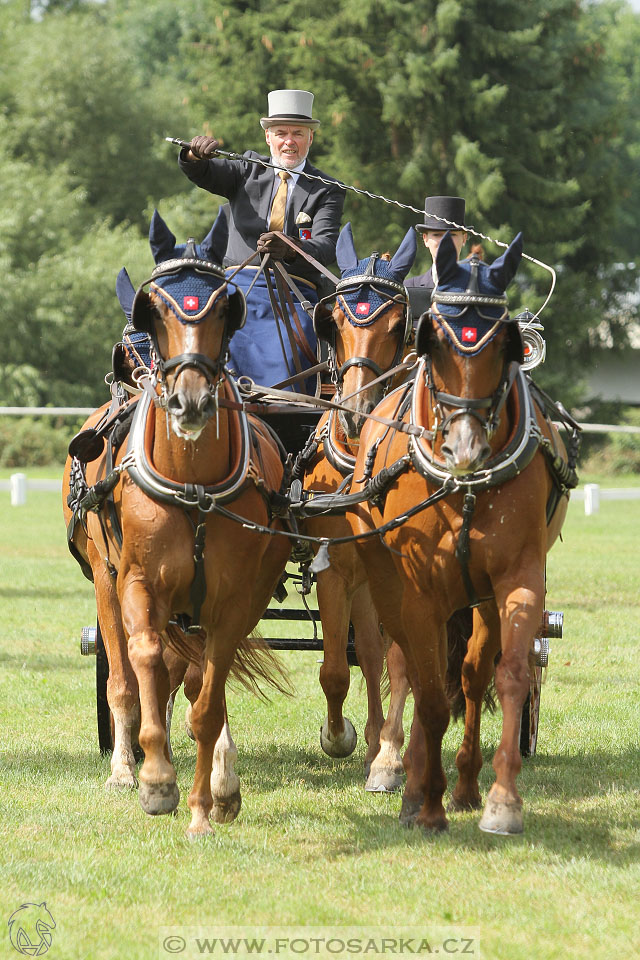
{"x":174,"y":403}
{"x":446,"y":450}
{"x":206,"y":405}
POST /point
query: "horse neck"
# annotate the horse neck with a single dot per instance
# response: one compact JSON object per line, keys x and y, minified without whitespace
{"x":205,"y":461}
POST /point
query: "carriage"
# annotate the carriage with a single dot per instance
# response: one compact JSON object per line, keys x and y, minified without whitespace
{"x":294,"y":424}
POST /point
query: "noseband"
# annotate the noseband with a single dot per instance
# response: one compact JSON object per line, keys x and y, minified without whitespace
{"x":468,"y":406}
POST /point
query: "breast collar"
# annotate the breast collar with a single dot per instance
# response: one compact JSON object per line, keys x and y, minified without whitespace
{"x":185,"y":495}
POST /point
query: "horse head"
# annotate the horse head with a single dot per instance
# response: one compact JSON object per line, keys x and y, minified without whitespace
{"x":369,"y":326}
{"x":190,"y":314}
{"x":472,"y":349}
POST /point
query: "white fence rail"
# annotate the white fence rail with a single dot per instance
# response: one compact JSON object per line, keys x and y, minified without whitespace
{"x":85,"y":411}
{"x":591,"y":494}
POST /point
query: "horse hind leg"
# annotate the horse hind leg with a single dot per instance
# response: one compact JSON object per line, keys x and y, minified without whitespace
{"x":370,"y":650}
{"x":476,"y":672}
{"x":521,"y":613}
{"x":387,"y":771}
{"x":225,"y":783}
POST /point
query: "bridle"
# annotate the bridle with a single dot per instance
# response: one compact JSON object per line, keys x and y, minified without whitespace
{"x":467,"y":406}
{"x":391,"y":292}
{"x":142,"y":316}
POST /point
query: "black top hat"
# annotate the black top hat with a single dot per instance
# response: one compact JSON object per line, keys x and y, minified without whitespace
{"x":442,"y":213}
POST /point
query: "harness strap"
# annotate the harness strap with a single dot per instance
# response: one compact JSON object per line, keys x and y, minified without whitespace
{"x":280,"y":311}
{"x":198,"y":591}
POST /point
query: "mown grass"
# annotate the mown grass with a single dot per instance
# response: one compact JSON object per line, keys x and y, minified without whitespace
{"x":310,"y":847}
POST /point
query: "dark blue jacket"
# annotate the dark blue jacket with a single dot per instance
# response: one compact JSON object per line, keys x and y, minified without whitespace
{"x":249,"y":189}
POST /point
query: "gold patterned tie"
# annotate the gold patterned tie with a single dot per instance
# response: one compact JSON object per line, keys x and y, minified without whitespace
{"x":276,"y":220}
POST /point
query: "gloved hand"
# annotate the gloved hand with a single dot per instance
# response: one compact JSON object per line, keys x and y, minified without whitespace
{"x":203,"y":148}
{"x":275,"y":246}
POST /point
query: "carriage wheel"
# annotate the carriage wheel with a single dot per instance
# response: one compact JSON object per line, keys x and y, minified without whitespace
{"x":531,"y":716}
{"x":105,"y":733}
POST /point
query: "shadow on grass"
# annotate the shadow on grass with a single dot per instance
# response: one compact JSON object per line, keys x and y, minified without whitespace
{"x":580,"y":820}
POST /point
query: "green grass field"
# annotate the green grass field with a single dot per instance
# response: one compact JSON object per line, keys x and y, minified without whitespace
{"x":310,"y":848}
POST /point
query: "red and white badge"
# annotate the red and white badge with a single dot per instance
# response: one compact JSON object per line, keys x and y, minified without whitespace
{"x":469,"y":334}
{"x":304,"y":233}
{"x":362,"y":309}
{"x":190,"y":303}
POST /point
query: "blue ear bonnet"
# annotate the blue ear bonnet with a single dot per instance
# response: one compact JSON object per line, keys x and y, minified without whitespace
{"x":188,"y":292}
{"x":469,"y":320}
{"x":364,"y":302}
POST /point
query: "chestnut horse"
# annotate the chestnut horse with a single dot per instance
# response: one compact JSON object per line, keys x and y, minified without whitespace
{"x":367,"y":334}
{"x":192,"y":456}
{"x":481,"y":486}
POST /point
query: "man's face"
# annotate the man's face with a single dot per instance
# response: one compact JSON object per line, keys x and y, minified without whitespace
{"x":289,"y":143}
{"x":432,"y":238}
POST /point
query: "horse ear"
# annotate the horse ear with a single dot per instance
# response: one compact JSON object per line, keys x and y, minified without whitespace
{"x":161,"y":240}
{"x":214,"y":245}
{"x":403,"y":258}
{"x":346,"y":256}
{"x":125,"y":292}
{"x":446,"y":260}
{"x":143,"y":312}
{"x":503,"y":270}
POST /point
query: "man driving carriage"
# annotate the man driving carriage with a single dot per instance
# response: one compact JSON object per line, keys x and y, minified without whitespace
{"x":263,"y":200}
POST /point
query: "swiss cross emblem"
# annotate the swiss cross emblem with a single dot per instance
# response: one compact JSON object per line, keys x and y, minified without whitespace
{"x":190,"y":303}
{"x":469,"y":334}
{"x":362,"y":309}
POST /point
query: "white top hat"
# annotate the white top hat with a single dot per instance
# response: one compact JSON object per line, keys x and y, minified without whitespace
{"x":290,"y":106}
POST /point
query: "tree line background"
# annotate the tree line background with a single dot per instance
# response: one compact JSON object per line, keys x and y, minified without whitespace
{"x":531,"y":111}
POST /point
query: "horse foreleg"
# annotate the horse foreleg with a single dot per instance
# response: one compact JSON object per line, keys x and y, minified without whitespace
{"x":122,"y":686}
{"x":158,"y":788}
{"x":337,"y":735}
{"x":370,"y":649}
{"x":477,"y":670}
{"x":225,"y":783}
{"x":387,"y":771}
{"x":520,"y":615}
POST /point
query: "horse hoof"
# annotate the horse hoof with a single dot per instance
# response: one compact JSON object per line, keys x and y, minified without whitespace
{"x":409,"y":811}
{"x":187,"y":722}
{"x":502,"y":817}
{"x":127,"y":782}
{"x":433,"y":824}
{"x":158,"y":798}
{"x":383,"y":781}
{"x":342,"y":746}
{"x":201,"y":833}
{"x":225,"y":810}
{"x":460,"y":805}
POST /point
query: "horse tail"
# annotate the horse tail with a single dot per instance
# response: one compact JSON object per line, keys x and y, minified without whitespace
{"x":459,"y":630}
{"x":256,"y":664}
